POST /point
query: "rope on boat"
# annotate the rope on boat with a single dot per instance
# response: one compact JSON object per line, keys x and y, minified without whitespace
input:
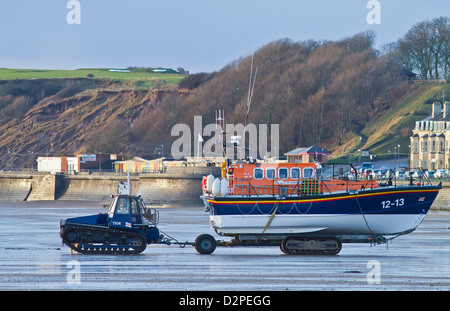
{"x":377,"y":238}
{"x":271,"y":218}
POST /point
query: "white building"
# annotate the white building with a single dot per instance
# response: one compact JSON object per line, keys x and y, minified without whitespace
{"x":55,"y":165}
{"x":430,"y":142}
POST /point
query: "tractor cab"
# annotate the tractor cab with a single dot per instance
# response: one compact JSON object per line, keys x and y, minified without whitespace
{"x":128,"y":211}
{"x":127,"y":227}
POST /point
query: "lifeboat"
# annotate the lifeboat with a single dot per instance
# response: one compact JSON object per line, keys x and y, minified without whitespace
{"x":287,"y":204}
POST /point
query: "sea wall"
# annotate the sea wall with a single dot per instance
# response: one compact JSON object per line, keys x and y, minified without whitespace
{"x":15,"y":188}
{"x":162,"y":188}
{"x":174,"y":187}
{"x":171,"y":188}
{"x":442,"y":201}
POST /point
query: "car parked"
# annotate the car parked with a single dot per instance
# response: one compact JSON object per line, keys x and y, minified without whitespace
{"x":409,"y":174}
{"x":367,"y":173}
{"x":389,"y":173}
{"x":441,"y":173}
{"x":376,"y":174}
{"x":418,"y":174}
{"x":429,"y":174}
{"x":400,"y":175}
{"x":366,"y":165}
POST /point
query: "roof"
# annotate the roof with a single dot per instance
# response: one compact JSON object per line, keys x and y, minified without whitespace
{"x":140,"y":160}
{"x":309,"y":150}
{"x":405,"y":72}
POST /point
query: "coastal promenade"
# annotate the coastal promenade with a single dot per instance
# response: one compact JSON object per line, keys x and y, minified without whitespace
{"x":174,"y":186}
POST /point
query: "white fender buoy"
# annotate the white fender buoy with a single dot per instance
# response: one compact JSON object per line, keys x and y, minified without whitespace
{"x":224,"y":187}
{"x":209,"y":182}
{"x":216,"y":187}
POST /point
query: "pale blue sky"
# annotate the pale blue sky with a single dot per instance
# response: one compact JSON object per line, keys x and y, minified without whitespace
{"x":199,"y":35}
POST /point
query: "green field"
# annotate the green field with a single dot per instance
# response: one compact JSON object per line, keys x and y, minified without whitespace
{"x":95,"y":73}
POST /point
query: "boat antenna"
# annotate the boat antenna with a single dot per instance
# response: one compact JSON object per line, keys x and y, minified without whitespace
{"x":220,"y":124}
{"x":251,"y":87}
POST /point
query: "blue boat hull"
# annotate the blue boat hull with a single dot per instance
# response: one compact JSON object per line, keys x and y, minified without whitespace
{"x":351,"y":217}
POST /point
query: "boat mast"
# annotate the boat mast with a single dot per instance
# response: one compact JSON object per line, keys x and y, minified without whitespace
{"x":220,"y":124}
{"x":251,"y":87}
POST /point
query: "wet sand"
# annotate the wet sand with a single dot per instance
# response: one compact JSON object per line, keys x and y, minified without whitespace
{"x":33,"y":258}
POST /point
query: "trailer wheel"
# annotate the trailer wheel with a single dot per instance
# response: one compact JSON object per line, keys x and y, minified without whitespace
{"x":205,"y":244}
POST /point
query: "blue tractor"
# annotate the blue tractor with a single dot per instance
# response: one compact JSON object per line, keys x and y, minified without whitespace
{"x":126,"y":228}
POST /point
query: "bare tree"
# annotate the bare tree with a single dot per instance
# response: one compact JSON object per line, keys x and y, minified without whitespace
{"x":425,"y":47}
{"x":439,"y":28}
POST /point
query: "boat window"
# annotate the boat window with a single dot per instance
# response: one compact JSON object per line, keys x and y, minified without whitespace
{"x":271,"y":173}
{"x":295,"y":173}
{"x":283,"y":173}
{"x":308,"y":172}
{"x":258,"y":173}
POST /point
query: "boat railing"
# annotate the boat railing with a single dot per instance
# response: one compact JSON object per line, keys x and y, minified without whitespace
{"x":309,"y":187}
{"x":305,"y":187}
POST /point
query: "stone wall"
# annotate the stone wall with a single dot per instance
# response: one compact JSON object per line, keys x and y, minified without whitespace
{"x":15,"y":188}
{"x":442,"y":201}
{"x":171,"y":188}
{"x":42,"y":188}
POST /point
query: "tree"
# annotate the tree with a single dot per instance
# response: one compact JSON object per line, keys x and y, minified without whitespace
{"x":439,"y":28}
{"x":425,"y":47}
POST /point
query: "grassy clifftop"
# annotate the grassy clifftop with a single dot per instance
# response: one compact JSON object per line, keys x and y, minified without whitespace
{"x":112,"y":73}
{"x":394,"y":127}
{"x":149,"y":78}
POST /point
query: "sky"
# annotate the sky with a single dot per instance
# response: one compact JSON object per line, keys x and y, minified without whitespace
{"x":198,"y":35}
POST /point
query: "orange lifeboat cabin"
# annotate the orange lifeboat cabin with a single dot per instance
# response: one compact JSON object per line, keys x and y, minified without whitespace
{"x":284,"y":179}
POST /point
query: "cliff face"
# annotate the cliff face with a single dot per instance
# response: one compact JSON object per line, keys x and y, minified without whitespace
{"x":84,"y":121}
{"x":339,"y":95}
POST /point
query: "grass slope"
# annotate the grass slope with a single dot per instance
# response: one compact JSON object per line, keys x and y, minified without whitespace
{"x":96,"y":73}
{"x":394,"y":127}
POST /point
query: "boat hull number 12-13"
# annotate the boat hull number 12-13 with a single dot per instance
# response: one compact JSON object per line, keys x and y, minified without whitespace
{"x":395,"y":203}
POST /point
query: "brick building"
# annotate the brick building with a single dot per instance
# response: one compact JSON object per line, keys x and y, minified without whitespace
{"x":308,"y":155}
